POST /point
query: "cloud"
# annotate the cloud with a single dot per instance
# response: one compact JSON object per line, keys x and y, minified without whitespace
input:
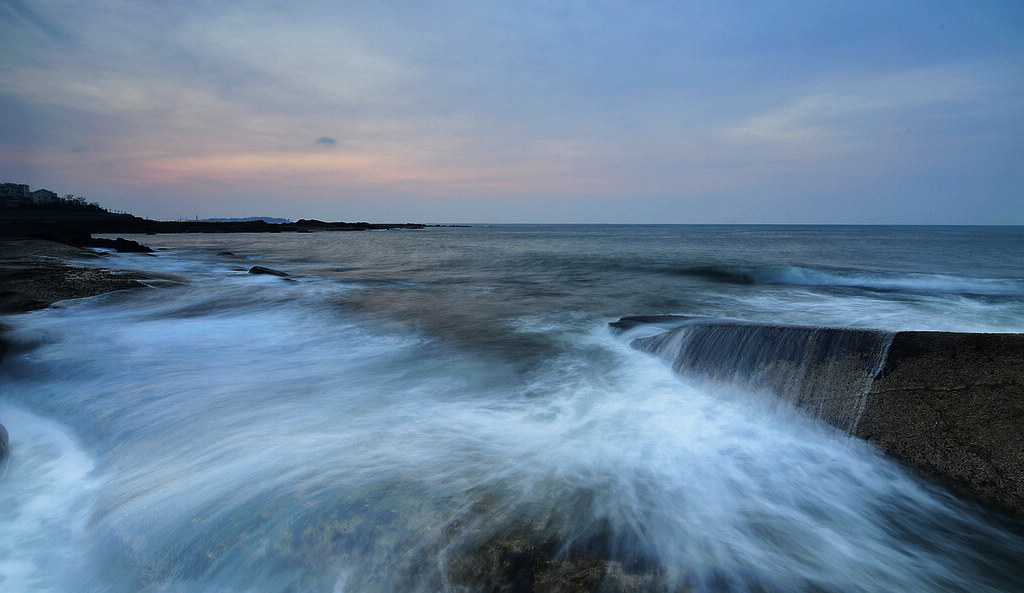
{"x":864,"y":112}
{"x":532,"y":98}
{"x":17,"y":8}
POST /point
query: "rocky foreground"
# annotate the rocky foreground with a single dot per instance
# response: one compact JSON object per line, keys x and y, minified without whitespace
{"x":36,"y":273}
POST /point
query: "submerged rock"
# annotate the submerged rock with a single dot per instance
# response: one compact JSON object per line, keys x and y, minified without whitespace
{"x":525,"y":561}
{"x":823,"y":371}
{"x":4,"y":448}
{"x":121,"y":245}
{"x":663,"y":322}
{"x":270,"y":271}
{"x":568,"y":545}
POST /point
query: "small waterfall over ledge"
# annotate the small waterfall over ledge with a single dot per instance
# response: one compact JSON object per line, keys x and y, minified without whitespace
{"x":948,"y":404}
{"x":824,"y":371}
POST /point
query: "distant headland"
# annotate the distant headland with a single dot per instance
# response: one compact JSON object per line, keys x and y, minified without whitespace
{"x":42,"y":214}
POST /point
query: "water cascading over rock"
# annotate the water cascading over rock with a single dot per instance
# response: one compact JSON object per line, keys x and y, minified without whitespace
{"x":948,"y":404}
{"x":824,"y":371}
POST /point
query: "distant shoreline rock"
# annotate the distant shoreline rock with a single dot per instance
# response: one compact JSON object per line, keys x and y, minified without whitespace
{"x":53,"y":225}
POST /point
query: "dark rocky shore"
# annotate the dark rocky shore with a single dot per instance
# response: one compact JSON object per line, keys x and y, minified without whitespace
{"x":35,"y":273}
{"x":36,"y":244}
{"x":74,"y":227}
{"x":952,"y":405}
{"x":34,"y":247}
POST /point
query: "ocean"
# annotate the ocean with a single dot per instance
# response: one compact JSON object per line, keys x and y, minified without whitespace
{"x":447,"y":409}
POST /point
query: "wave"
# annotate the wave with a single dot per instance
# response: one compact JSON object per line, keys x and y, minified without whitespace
{"x":48,"y":496}
{"x":881,"y":281}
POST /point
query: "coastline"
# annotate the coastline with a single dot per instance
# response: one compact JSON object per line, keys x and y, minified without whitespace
{"x":37,"y":249}
{"x":65,"y":226}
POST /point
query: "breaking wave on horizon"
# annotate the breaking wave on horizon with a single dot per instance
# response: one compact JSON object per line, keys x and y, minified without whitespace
{"x":862,"y":279}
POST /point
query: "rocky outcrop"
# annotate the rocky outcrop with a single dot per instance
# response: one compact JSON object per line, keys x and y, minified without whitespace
{"x":121,"y":245}
{"x":948,"y":404}
{"x":952,"y":405}
{"x":34,"y":275}
{"x":4,"y":448}
{"x":267,"y":271}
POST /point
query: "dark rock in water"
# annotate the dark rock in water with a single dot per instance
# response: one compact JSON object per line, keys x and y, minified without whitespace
{"x":522,"y":562}
{"x":497,"y":551}
{"x":4,"y":447}
{"x":226,"y":254}
{"x":121,"y":245}
{"x":271,"y":271}
{"x":948,"y":404}
{"x":663,"y":322}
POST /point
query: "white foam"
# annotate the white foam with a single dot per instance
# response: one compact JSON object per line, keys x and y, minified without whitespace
{"x":906,"y":281}
{"x":245,"y":422}
{"x":47,"y":498}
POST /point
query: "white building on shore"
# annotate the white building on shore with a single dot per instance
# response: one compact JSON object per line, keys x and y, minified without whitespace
{"x":13,"y":195}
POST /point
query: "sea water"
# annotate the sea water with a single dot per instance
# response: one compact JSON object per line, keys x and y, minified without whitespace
{"x":447,"y":410}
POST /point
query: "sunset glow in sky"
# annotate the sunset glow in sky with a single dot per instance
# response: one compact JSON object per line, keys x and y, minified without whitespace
{"x":468,"y":111}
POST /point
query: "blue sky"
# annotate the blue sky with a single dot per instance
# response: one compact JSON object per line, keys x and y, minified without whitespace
{"x":674,"y":112}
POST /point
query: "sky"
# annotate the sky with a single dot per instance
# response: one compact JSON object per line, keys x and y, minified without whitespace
{"x":859,"y":112}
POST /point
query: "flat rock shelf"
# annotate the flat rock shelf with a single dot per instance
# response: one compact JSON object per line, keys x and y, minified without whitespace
{"x":948,"y":404}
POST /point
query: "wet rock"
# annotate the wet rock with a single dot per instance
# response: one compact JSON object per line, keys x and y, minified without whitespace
{"x":121,"y":245}
{"x":662,"y":322}
{"x":948,"y":404}
{"x":496,"y":548}
{"x":4,"y":448}
{"x":952,"y":405}
{"x":527,"y":562}
{"x":270,"y":271}
{"x":36,"y":283}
